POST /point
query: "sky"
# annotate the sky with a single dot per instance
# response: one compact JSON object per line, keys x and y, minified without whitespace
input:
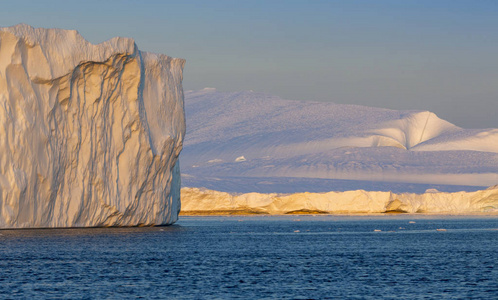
{"x":436,"y":55}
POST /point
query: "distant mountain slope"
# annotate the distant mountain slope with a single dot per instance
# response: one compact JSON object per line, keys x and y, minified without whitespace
{"x":246,"y":135}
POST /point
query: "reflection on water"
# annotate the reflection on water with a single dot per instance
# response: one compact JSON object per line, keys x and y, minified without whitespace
{"x":301,"y":257}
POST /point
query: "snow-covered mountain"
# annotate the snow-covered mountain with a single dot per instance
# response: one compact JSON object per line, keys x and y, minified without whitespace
{"x":252,"y":142}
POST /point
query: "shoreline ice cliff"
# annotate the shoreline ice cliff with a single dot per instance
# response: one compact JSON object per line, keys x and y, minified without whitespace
{"x":208,"y":202}
{"x":90,"y":134}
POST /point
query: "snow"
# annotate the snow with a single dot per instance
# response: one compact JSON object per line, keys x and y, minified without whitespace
{"x":318,"y":144}
{"x":90,"y":134}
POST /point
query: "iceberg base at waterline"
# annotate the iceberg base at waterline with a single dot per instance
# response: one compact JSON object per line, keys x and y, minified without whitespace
{"x":197,"y":201}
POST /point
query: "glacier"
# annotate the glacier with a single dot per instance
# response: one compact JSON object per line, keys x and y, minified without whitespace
{"x":198,"y":201}
{"x":242,"y":142}
{"x":90,"y":134}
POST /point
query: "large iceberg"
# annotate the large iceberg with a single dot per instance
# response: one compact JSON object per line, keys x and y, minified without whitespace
{"x":204,"y":202}
{"x":90,"y":134}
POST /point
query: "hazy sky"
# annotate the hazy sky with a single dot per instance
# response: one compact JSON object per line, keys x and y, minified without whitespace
{"x":437,"y":55}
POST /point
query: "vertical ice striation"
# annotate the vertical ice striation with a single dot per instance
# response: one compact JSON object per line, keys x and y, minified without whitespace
{"x":89,"y":134}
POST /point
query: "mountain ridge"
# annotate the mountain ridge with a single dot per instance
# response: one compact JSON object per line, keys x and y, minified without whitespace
{"x":276,"y":136}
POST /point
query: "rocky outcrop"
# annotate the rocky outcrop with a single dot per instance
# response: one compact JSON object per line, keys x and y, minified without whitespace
{"x":89,"y":134}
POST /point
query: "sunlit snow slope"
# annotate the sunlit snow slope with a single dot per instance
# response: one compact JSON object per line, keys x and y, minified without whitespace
{"x":89,"y":134}
{"x":251,"y":142}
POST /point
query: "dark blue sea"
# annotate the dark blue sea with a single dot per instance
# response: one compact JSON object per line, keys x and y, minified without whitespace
{"x":291,"y":257}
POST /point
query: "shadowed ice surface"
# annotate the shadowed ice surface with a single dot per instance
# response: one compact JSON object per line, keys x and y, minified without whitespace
{"x":288,"y":257}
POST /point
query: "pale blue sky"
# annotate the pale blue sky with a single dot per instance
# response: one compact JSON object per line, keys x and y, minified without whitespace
{"x":437,"y":55}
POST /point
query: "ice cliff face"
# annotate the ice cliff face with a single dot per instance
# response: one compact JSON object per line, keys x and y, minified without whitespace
{"x":202,"y":201}
{"x":89,"y":134}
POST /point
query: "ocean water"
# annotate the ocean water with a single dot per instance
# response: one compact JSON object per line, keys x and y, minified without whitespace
{"x":258,"y":257}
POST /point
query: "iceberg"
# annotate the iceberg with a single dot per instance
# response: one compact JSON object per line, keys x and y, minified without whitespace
{"x":90,"y":134}
{"x":196,"y":201}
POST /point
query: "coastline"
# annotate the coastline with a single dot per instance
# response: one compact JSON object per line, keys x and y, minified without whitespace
{"x":387,"y":215}
{"x":199,"y":202}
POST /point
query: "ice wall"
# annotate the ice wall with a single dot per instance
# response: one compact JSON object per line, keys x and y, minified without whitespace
{"x":202,"y":201}
{"x":89,"y":134}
